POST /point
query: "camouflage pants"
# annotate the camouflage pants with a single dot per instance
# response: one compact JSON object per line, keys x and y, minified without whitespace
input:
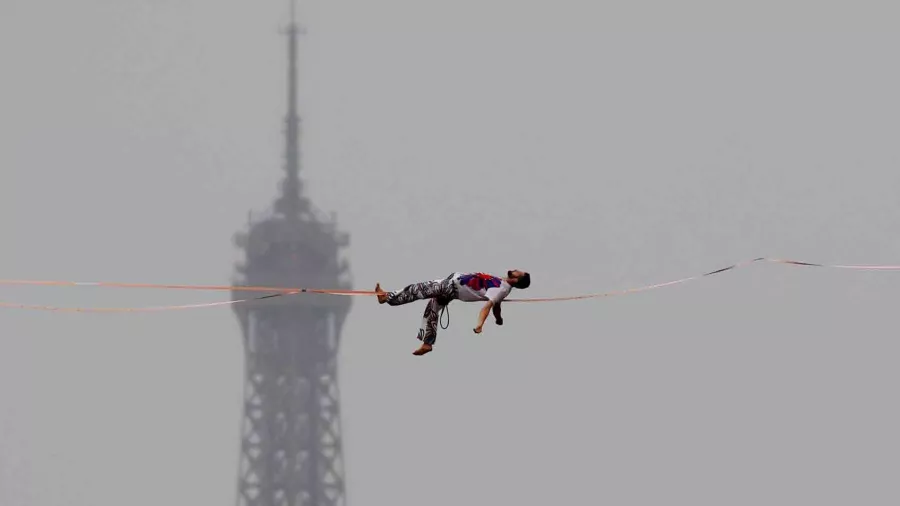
{"x":440,"y":292}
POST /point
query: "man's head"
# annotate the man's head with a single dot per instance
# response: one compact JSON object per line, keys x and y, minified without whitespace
{"x":519,"y":279}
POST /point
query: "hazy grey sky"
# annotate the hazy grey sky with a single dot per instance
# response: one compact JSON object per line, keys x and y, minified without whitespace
{"x":598,"y":145}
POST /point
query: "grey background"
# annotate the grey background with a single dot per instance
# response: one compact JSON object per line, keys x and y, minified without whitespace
{"x":598,"y":145}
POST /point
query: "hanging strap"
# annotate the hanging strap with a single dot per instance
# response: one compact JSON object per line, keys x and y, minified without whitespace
{"x":445,"y":309}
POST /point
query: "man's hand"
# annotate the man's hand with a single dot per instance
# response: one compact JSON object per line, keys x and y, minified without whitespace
{"x":482,"y":316}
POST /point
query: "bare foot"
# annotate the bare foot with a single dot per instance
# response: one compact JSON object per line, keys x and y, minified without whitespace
{"x":381,"y":294}
{"x":425,"y":348}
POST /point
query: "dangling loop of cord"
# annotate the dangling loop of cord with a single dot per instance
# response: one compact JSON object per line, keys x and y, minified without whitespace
{"x":444,"y":309}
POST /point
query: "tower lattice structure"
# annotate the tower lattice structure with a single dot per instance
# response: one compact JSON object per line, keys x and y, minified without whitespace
{"x":291,"y":447}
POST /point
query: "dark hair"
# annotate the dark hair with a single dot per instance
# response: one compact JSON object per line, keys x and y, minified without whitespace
{"x":524,"y":281}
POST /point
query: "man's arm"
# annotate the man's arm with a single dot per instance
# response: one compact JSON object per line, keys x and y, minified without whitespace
{"x":497,"y":317}
{"x":482,"y":316}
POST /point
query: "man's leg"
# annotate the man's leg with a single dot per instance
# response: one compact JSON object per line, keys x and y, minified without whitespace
{"x":412,"y":293}
{"x":428,"y":330}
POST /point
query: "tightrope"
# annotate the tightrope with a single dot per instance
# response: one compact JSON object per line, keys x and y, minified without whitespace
{"x":285,"y":291}
{"x":39,"y":307}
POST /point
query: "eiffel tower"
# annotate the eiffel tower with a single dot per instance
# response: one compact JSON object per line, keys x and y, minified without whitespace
{"x":291,"y":449}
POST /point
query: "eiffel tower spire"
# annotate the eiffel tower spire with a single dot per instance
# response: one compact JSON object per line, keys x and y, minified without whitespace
{"x":291,"y":203}
{"x":291,"y":435}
